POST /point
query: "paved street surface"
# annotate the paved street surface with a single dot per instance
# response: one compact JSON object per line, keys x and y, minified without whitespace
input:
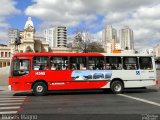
{"x":10,"y":104}
{"x":133,"y":104}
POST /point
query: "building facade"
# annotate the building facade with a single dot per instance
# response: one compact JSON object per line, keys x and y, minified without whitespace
{"x":49,"y":35}
{"x":56,"y":37}
{"x":126,"y":38}
{"x":29,"y":41}
{"x":110,"y":47}
{"x":109,"y":39}
{"x":13,"y":34}
{"x":108,"y":34}
{"x":5,"y":55}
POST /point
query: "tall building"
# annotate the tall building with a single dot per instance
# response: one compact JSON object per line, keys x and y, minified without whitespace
{"x":108,"y":34}
{"x":49,"y":35}
{"x":109,"y":38}
{"x":13,"y":34}
{"x":126,"y":38}
{"x":56,"y":37}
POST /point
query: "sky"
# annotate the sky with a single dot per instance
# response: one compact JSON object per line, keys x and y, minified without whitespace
{"x":142,"y":16}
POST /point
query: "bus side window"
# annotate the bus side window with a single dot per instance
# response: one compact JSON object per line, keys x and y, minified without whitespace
{"x":78,"y":63}
{"x":96,"y":63}
{"x":113,"y":63}
{"x":40,"y":63}
{"x":145,"y":63}
{"x":130,"y":63}
{"x":59,"y":63}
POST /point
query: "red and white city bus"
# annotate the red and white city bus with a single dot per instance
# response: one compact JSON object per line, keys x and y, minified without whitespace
{"x":42,"y":72}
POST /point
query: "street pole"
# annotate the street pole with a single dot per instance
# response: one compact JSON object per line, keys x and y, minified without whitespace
{"x":17,"y":42}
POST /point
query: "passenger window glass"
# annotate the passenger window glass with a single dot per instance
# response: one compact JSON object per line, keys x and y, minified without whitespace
{"x":113,"y":63}
{"x":130,"y":63}
{"x":145,"y":63}
{"x":40,"y":63}
{"x":59,"y":63}
{"x":78,"y":63}
{"x":21,"y":67}
{"x":96,"y":63}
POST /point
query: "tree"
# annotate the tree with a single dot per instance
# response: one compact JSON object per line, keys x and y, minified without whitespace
{"x":83,"y":41}
{"x":95,"y":47}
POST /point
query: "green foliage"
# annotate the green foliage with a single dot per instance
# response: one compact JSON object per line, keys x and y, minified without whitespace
{"x":94,"y":47}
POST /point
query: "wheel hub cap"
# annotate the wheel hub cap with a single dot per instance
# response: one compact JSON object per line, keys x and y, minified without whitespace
{"x":117,"y":88}
{"x":39,"y":88}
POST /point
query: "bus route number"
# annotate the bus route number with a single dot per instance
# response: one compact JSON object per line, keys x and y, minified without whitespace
{"x":40,"y":73}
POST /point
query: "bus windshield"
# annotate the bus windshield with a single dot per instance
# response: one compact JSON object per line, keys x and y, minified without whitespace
{"x":21,"y":67}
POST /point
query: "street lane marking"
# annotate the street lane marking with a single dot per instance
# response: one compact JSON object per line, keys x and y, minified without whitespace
{"x":1,"y":104}
{"x":12,"y":98}
{"x":6,"y":108}
{"x":8,"y":101}
{"x":140,"y":99}
{"x":8,"y":112}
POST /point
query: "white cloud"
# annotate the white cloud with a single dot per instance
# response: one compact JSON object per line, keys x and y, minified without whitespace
{"x":98,"y":36}
{"x":145,"y":22}
{"x":71,"y":12}
{"x":152,"y":12}
{"x":142,"y":16}
{"x":3,"y":37}
{"x":7,"y":8}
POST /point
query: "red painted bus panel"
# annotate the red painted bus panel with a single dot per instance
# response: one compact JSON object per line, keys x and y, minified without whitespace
{"x":76,"y":85}
{"x":57,"y":80}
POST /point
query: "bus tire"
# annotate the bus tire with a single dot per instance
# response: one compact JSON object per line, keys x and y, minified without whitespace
{"x":117,"y":87}
{"x":39,"y":89}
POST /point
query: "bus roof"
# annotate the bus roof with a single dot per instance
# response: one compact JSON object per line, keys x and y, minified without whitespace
{"x":30,"y":54}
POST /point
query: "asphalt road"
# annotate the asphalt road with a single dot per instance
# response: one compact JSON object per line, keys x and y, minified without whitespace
{"x":133,"y":104}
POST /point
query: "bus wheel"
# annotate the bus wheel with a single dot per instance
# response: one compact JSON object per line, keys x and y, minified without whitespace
{"x":39,"y":89}
{"x":117,"y":87}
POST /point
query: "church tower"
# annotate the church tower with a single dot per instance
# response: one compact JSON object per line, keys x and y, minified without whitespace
{"x":28,"y":36}
{"x":29,"y":42}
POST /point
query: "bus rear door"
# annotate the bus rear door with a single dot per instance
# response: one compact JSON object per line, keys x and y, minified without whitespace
{"x":148,"y":72}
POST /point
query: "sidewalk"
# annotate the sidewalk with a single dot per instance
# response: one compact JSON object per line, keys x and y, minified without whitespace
{"x":4,"y":74}
{"x":4,"y":88}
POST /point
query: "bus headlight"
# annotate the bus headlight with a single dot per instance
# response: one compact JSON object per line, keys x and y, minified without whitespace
{"x":9,"y":87}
